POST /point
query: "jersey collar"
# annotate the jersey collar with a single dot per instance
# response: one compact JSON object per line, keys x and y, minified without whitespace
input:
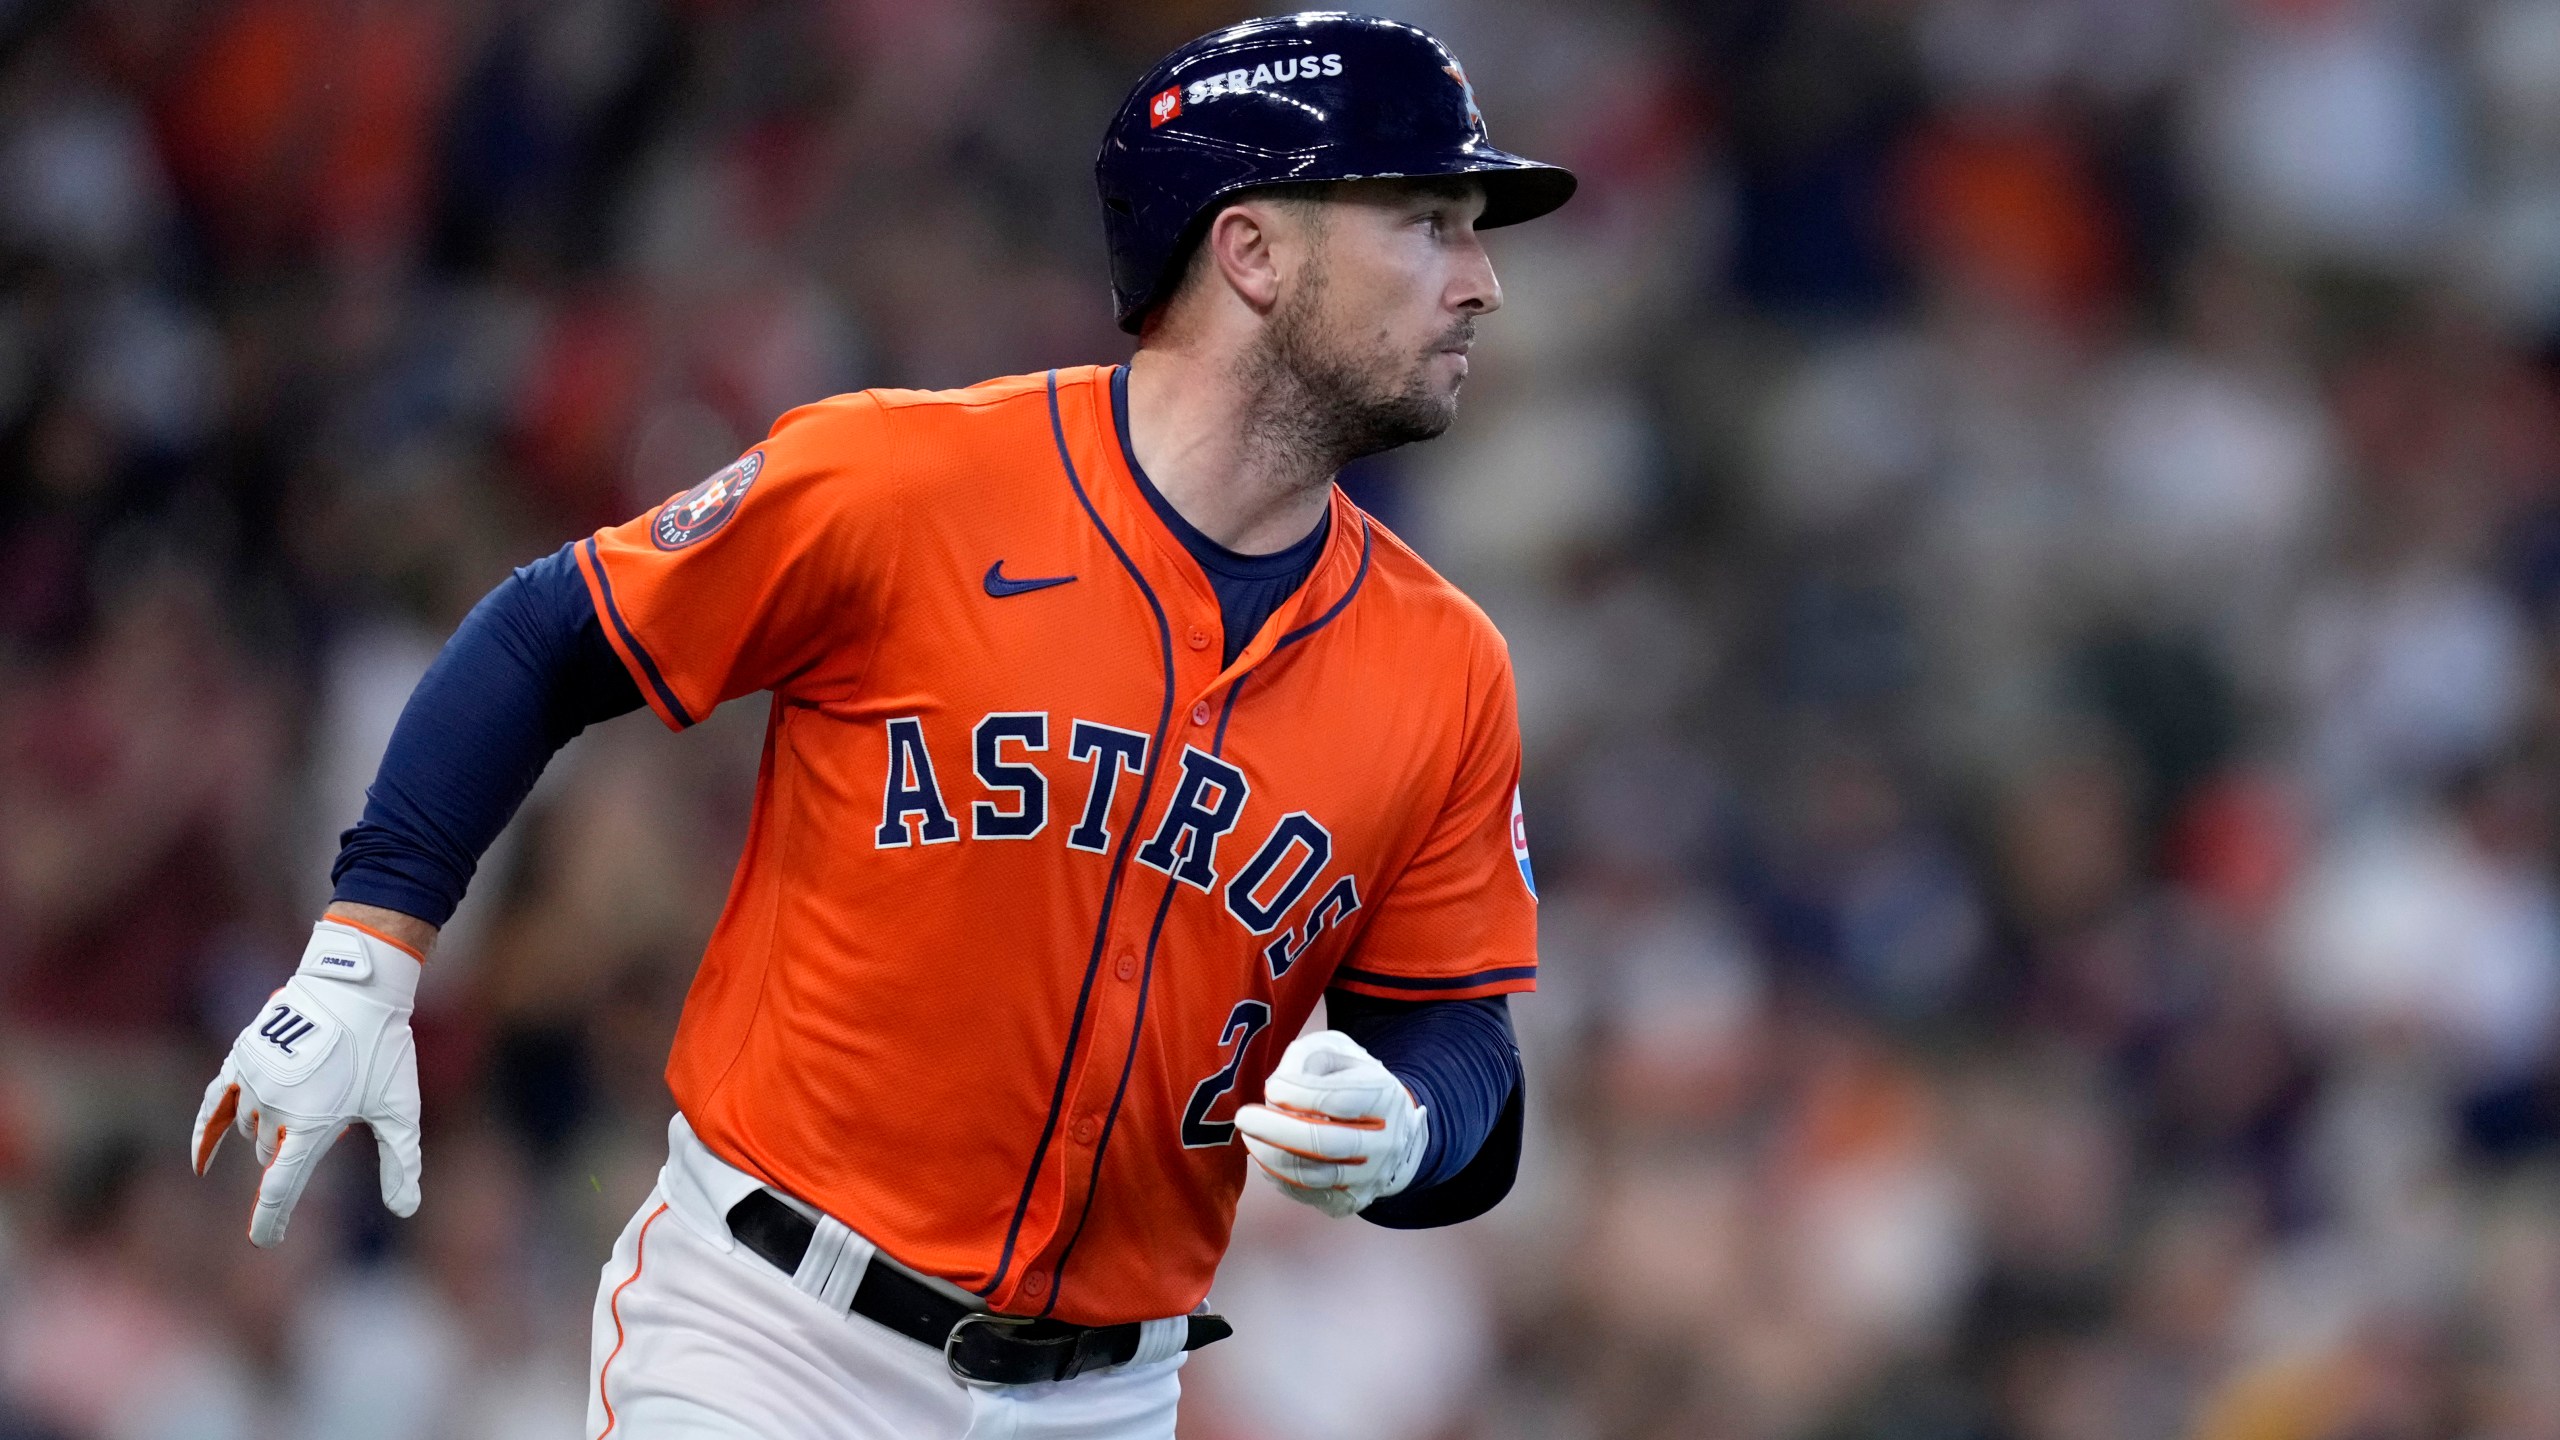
{"x":1298,"y":557}
{"x":1170,"y":568}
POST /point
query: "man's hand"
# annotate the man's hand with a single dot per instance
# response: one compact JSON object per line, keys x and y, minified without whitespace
{"x":330,"y":1049}
{"x":1336,"y":1129}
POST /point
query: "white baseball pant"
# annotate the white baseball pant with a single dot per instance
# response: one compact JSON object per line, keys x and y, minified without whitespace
{"x":699,"y":1338}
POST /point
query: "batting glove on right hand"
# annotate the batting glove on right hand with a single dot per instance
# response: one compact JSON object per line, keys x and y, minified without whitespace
{"x":1336,"y":1129}
{"x":330,"y":1049}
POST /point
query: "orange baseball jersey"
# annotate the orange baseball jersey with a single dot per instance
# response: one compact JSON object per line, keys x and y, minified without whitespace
{"x":1035,"y":891}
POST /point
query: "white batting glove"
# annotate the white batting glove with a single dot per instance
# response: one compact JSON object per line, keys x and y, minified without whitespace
{"x":329,"y":1050}
{"x":1336,"y":1129}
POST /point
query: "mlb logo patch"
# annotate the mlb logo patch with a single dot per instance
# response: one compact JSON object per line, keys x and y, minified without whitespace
{"x":1164,"y":107}
{"x":1520,"y":844}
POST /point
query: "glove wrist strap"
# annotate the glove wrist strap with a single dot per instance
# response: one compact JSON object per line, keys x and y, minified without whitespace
{"x":339,"y":951}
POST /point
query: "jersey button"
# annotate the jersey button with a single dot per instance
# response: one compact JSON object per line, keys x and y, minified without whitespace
{"x":1200,"y":713}
{"x":1036,"y":1284}
{"x":1086,"y":1128}
{"x":1127,"y":965}
{"x":1199,"y":638}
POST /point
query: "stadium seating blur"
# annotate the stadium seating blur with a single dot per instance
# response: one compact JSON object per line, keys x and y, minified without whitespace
{"x":2029,"y":530}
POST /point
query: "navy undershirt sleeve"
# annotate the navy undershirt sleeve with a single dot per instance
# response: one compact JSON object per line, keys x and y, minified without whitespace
{"x":528,"y":669}
{"x":1462,"y":1062}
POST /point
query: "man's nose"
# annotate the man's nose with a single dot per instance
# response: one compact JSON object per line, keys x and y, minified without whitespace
{"x":1476,"y":291}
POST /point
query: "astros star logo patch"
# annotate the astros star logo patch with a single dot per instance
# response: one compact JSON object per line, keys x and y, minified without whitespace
{"x":696,"y":513}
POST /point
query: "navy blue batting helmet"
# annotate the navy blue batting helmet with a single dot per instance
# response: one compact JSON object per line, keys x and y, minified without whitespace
{"x":1290,"y":99}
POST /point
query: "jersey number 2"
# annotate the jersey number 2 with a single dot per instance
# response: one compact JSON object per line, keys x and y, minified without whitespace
{"x":1198,"y":1130}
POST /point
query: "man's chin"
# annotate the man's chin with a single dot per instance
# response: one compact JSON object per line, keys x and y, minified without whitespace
{"x":1442,"y":416}
{"x":1416,"y":415}
{"x":1431,"y":395}
{"x":1440,"y":409}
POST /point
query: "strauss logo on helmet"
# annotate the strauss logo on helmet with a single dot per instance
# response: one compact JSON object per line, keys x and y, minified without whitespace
{"x":1245,"y":82}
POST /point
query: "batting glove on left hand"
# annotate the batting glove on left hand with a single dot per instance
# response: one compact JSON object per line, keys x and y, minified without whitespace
{"x":330,"y":1049}
{"x":1336,"y":1129}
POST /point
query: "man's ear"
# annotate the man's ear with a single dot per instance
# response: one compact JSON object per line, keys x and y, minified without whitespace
{"x":1239,"y":248}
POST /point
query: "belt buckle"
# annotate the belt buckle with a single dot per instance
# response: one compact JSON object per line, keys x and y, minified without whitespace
{"x":960,"y":1328}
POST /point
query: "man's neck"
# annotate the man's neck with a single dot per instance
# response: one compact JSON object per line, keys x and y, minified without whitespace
{"x":1205,"y":439}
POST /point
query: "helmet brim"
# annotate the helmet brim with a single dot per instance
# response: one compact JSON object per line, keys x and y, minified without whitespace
{"x":1516,"y":188}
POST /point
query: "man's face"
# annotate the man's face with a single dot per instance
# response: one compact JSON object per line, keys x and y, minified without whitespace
{"x":1377,"y":321}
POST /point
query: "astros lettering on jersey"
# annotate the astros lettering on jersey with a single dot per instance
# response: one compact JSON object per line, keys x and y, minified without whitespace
{"x":1035,"y":891}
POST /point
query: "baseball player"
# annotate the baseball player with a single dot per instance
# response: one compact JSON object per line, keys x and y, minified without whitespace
{"x":1106,"y":737}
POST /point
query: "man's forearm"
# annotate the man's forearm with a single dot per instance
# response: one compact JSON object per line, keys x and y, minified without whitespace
{"x":407,"y":931}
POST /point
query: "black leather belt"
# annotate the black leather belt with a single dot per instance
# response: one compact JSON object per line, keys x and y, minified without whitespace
{"x":988,"y":1349}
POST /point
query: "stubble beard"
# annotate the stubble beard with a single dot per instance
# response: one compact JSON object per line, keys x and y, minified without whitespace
{"x":1323,"y":398}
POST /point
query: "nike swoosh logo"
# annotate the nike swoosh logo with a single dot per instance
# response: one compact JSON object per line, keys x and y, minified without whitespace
{"x":999,"y":586}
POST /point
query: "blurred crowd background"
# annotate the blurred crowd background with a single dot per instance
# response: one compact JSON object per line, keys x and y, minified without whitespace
{"x":2029,"y":529}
